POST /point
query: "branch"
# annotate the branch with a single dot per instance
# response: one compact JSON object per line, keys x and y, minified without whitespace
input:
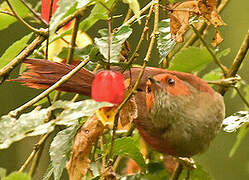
{"x":18,"y":59}
{"x":65,"y":78}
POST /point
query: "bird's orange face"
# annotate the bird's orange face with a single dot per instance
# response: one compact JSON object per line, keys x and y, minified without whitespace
{"x":164,"y":82}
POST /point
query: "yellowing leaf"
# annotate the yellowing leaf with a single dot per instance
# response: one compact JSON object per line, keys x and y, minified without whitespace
{"x":134,"y":6}
{"x":217,"y":39}
{"x":106,"y":115}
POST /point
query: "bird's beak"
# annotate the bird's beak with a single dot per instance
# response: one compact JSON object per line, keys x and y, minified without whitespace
{"x":155,"y":83}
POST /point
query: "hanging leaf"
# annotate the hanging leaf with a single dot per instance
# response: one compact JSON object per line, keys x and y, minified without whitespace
{"x":235,"y":121}
{"x":18,"y":176}
{"x":60,"y":149}
{"x":117,"y":39}
{"x":74,"y":111}
{"x":217,"y":39}
{"x":14,"y":50}
{"x":191,"y":59}
{"x":127,"y":147}
{"x":164,"y":42}
{"x":12,"y":130}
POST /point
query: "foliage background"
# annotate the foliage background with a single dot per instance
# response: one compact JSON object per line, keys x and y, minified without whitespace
{"x":215,"y":160}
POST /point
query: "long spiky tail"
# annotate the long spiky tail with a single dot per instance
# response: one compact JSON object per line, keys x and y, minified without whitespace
{"x":42,"y":74}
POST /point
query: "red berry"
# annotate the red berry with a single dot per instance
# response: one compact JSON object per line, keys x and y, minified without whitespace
{"x":108,"y":86}
{"x":46,"y":7}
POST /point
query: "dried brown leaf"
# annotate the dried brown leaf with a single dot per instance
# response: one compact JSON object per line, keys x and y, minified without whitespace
{"x":170,"y":163}
{"x":179,"y":18}
{"x":128,"y":112}
{"x":208,"y":10}
{"x":87,"y":135}
{"x":108,"y":174}
{"x":217,"y":39}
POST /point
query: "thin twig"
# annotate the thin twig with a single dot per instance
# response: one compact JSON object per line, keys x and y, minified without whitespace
{"x":33,"y":153}
{"x":8,"y":13}
{"x":146,"y":28}
{"x":216,"y":60}
{"x":34,"y":13}
{"x":109,"y":40}
{"x":73,"y":39}
{"x":65,"y":78}
{"x":24,"y":22}
{"x":241,"y":96}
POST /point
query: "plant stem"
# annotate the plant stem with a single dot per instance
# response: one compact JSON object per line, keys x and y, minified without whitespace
{"x":155,"y":4}
{"x":241,"y":96}
{"x":33,"y":153}
{"x":216,"y":60}
{"x":109,"y":40}
{"x":20,"y":19}
{"x":73,"y":39}
{"x":17,"y":111}
{"x":146,"y":28}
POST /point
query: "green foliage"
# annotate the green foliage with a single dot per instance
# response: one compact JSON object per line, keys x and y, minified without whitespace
{"x":98,"y":13}
{"x":213,"y":75}
{"x":192,"y":59}
{"x":6,"y":20}
{"x":35,"y":122}
{"x":117,"y":39}
{"x":18,"y":176}
{"x":14,"y":50}
{"x":60,"y":148}
{"x":164,"y":42}
{"x":126,"y":146}
{"x":2,"y":173}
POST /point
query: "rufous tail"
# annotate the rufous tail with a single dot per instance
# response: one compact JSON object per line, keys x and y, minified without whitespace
{"x":42,"y":74}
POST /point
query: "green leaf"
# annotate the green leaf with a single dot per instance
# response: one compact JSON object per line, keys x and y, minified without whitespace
{"x":48,"y":172}
{"x":118,"y":38}
{"x":2,"y":173}
{"x":18,"y":176}
{"x":98,"y":13}
{"x":14,"y":50}
{"x":29,"y":124}
{"x":213,"y":75}
{"x":235,"y":121}
{"x":196,"y":174}
{"x":76,"y":110}
{"x":6,"y":20}
{"x":126,"y":146}
{"x":134,"y":6}
{"x":192,"y":59}
{"x":242,"y":134}
{"x":79,"y":53}
{"x":164,"y":42}
{"x":65,"y":9}
{"x":60,"y":149}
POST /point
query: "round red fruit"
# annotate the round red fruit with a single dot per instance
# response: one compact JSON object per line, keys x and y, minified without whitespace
{"x":108,"y":86}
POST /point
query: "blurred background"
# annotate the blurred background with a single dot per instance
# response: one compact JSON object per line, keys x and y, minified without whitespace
{"x":215,"y":160}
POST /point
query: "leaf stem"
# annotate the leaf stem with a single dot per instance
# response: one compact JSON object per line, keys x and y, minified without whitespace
{"x":17,"y":111}
{"x":241,"y":96}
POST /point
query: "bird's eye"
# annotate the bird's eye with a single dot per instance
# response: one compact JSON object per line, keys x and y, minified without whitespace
{"x":171,"y":82}
{"x":148,"y":89}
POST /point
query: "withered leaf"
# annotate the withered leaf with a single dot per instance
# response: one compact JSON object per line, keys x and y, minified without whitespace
{"x":87,"y":135}
{"x":217,"y":39}
{"x":128,"y":112}
{"x":179,"y":18}
{"x":208,"y":10}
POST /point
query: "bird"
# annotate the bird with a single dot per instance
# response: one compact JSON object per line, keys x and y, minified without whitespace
{"x":178,"y":113}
